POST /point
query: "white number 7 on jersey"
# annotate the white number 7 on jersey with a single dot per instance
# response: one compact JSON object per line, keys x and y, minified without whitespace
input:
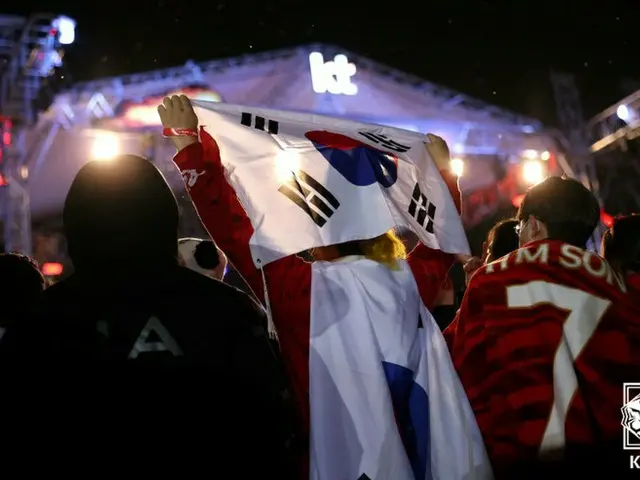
{"x":585,"y":311}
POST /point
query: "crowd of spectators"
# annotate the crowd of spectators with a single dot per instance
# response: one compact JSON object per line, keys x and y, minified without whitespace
{"x":164,"y":362}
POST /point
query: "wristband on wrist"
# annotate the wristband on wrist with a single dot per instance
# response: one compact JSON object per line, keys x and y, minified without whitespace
{"x":179,"y":132}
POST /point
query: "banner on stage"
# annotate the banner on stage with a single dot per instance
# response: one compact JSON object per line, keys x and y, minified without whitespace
{"x":308,"y":180}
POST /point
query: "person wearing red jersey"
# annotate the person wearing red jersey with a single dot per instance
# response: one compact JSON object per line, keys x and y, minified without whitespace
{"x":621,"y":248}
{"x":288,"y":279}
{"x":544,"y":340}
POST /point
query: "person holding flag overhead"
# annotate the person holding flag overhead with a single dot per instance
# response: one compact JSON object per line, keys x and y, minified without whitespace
{"x":377,"y":392}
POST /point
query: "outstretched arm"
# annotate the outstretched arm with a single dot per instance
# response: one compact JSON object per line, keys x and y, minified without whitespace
{"x":228,"y":224}
{"x":288,"y":279}
{"x":218,"y":206}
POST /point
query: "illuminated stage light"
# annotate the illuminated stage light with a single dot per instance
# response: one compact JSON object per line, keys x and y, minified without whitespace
{"x":533,"y":172}
{"x":457,"y":166}
{"x":623,"y":113}
{"x":105,"y":146}
{"x":52,"y":269}
{"x":67,"y":29}
{"x":545,"y":156}
{"x":606,"y":219}
{"x":517,"y":200}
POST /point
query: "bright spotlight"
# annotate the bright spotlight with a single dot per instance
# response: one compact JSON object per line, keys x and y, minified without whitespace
{"x":457,"y":166}
{"x":52,"y":269}
{"x":530,"y":154}
{"x":105,"y":146}
{"x":532,"y":172}
{"x":623,"y":113}
{"x":545,"y":156}
{"x":67,"y":29}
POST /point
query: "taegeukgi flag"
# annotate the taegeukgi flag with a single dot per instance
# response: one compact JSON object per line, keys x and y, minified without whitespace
{"x":308,"y":180}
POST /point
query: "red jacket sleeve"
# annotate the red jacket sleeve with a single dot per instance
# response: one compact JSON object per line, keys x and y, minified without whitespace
{"x":228,"y":224}
{"x":430,"y":266}
{"x":288,"y":279}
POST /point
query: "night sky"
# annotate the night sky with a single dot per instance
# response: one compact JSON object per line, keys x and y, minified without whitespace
{"x":500,"y":51}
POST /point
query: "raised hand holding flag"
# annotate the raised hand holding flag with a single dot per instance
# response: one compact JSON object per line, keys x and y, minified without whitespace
{"x":307,"y":181}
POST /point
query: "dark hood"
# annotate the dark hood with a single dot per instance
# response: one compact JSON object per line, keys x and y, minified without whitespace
{"x":121,"y":213}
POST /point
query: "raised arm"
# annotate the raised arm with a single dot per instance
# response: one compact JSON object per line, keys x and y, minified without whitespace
{"x":228,"y":224}
{"x":218,"y":207}
{"x":221,"y":212}
{"x":288,"y":279}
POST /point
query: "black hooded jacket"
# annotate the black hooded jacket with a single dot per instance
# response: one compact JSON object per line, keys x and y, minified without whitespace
{"x":135,"y":348}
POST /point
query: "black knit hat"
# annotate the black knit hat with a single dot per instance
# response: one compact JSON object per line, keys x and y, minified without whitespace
{"x":122,"y":210}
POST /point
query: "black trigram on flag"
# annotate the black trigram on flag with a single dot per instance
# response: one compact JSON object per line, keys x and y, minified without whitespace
{"x":259,"y":123}
{"x":307,"y":193}
{"x":385,"y":141}
{"x":422,"y":210}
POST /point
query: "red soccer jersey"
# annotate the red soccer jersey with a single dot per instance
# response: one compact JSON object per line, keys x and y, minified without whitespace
{"x":543,"y":342}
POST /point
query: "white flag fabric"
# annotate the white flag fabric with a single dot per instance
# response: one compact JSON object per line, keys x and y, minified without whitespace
{"x":385,"y":400}
{"x":307,"y":180}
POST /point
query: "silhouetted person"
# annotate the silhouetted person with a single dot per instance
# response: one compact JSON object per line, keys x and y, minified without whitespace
{"x":501,"y":241}
{"x":21,"y":284}
{"x":146,"y":354}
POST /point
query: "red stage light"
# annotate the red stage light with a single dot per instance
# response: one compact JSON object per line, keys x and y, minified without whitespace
{"x":517,"y":200}
{"x":606,"y":219}
{"x":52,"y":269}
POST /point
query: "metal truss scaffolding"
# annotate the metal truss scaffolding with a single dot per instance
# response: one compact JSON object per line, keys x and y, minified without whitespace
{"x":617,"y":124}
{"x":481,"y":128}
{"x":578,"y":164}
{"x":484,"y":128}
{"x":28,"y":52}
{"x":598,"y":149}
{"x":611,"y":134}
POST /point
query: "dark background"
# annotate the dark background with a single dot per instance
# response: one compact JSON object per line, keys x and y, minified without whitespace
{"x":500,"y":51}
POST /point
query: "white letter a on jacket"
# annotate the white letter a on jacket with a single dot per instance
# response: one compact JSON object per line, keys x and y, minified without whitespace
{"x":163,"y":341}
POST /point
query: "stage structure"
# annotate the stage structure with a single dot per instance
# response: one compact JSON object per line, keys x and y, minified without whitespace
{"x":613,"y":138}
{"x":328,"y":80}
{"x":101,"y":118}
{"x":30,"y":50}
{"x":617,"y":124}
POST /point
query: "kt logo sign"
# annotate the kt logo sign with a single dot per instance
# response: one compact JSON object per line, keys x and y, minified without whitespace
{"x":333,"y":76}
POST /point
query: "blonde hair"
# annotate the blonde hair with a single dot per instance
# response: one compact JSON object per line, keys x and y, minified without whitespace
{"x":386,"y":249}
